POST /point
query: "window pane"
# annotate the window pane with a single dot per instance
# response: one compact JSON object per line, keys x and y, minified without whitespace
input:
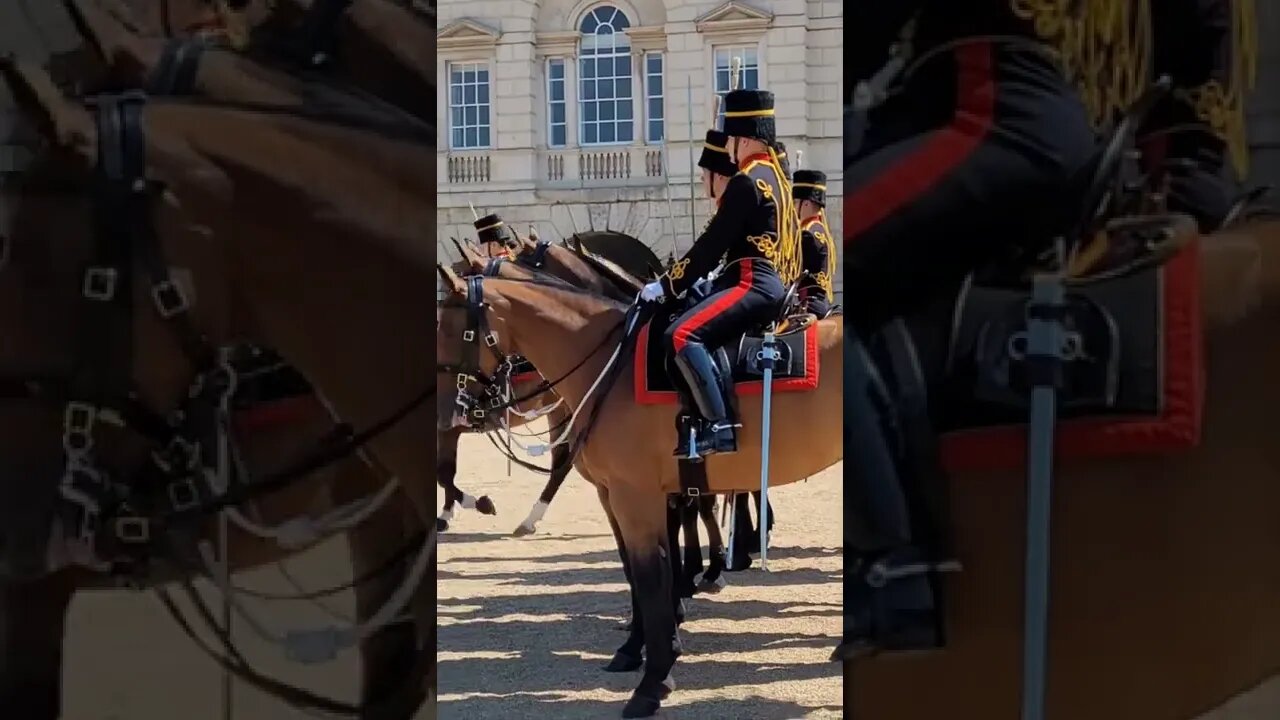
{"x":622,"y":87}
{"x":655,"y":131}
{"x":751,"y":79}
{"x":484,"y":115}
{"x":607,"y":133}
{"x":626,"y":131}
{"x":625,"y":110}
{"x":456,"y":120}
{"x":622,"y":66}
{"x":471,"y":116}
{"x":484,"y":137}
{"x":654,"y":63}
{"x":589,"y":24}
{"x":606,"y":111}
{"x":589,"y":112}
{"x":655,"y":84}
{"x":558,"y":136}
{"x":557,"y":91}
{"x":655,"y":108}
{"x":483,"y":75}
{"x":604,"y":89}
{"x":469,"y":95}
{"x":589,"y":90}
{"x":469,"y":76}
{"x":557,"y":69}
{"x":589,"y":134}
{"x":482,"y":93}
{"x":457,"y":137}
{"x":588,"y":66}
{"x":471,"y":137}
{"x":557,"y":113}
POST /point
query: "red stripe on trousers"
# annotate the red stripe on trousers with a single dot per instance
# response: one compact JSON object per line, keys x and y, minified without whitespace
{"x":681,"y":335}
{"x":942,"y":152}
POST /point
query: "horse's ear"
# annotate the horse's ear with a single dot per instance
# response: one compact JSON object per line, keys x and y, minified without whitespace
{"x":533,"y":234}
{"x":58,"y":120}
{"x":452,"y":282}
{"x":471,"y":255}
{"x":458,"y":244}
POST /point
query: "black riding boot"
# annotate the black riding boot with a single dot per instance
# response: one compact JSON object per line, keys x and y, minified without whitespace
{"x":889,"y":599}
{"x":717,"y":434}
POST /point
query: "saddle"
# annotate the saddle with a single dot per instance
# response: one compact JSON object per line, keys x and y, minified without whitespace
{"x":796,"y":340}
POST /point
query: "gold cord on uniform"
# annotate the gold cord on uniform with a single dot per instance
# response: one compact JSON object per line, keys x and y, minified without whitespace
{"x":788,"y":259}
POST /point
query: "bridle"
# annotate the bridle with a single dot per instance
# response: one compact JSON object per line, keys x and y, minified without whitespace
{"x":309,"y":46}
{"x":477,"y":338}
{"x":124,"y":521}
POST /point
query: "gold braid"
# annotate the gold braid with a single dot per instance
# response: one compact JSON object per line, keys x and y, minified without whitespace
{"x":1104,"y":48}
{"x":827,"y":279}
{"x":1222,"y":108}
{"x":789,"y":261}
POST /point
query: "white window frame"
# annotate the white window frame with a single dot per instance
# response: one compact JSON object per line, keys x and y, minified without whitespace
{"x":650,"y":96}
{"x":563,"y":101}
{"x":629,"y":102}
{"x":730,"y":49}
{"x":477,"y":65}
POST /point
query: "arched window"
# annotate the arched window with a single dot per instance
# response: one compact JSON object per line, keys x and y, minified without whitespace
{"x":604,"y":70}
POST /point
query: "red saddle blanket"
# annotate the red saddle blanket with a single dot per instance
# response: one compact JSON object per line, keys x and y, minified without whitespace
{"x":1176,"y":421}
{"x":653,"y":384}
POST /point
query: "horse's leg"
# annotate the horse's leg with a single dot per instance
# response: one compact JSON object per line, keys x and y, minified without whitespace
{"x":559,"y":461}
{"x":32,"y":627}
{"x":389,"y":654}
{"x":676,"y":510}
{"x":641,"y":515}
{"x":742,"y":533}
{"x":712,"y":581}
{"x":627,"y":657}
{"x":692,"y":551}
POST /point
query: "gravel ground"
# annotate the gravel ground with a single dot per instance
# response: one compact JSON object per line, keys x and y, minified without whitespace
{"x":527,"y":623}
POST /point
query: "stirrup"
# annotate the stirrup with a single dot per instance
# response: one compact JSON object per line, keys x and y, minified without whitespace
{"x":879,"y":574}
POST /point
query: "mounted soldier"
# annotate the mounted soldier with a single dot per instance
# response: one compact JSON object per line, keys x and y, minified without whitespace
{"x":492,"y":233}
{"x":1189,"y":135}
{"x":965,"y":158}
{"x":754,"y":232}
{"x":809,"y":189}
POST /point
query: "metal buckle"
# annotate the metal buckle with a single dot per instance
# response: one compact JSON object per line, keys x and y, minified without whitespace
{"x":169,"y":299}
{"x":77,"y":427}
{"x":100,"y":283}
{"x":463,"y":379}
{"x":491,"y":339}
{"x":468,"y":335}
{"x":478,"y":413}
{"x":133,"y":529}
{"x":178,"y":454}
{"x":693,"y":492}
{"x":183,"y":494}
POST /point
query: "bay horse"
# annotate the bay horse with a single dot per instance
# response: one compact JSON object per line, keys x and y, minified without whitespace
{"x":1164,"y":580}
{"x":600,"y":276}
{"x":237,"y":301}
{"x":624,"y":448}
{"x":384,"y":49}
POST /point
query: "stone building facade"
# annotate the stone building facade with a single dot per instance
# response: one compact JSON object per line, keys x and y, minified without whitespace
{"x":575,"y":115}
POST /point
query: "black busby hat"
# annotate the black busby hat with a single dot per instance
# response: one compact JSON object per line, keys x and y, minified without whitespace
{"x":715,"y":156}
{"x":749,"y":114}
{"x":491,"y":228}
{"x":810,"y":185}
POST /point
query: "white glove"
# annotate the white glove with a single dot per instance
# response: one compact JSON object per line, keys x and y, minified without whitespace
{"x":652,"y":291}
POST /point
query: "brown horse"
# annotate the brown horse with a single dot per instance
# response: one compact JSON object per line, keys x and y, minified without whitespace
{"x":624,"y":449}
{"x":1164,"y":580}
{"x":237,"y":300}
{"x":600,"y":276}
{"x":383,"y":48}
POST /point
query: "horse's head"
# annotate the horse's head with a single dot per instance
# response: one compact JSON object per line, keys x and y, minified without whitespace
{"x":71,"y":256}
{"x":470,"y":352}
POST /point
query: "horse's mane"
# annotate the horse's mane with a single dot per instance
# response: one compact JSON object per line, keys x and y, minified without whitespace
{"x":543,"y":279}
{"x":611,"y":271}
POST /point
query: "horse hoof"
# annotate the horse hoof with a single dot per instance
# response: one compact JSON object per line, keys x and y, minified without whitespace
{"x":623,"y":662}
{"x":668,"y":686}
{"x":485,"y":506}
{"x":712,"y":587}
{"x":522,"y":530}
{"x":739,"y":563}
{"x":441,"y":524}
{"x":640,"y":706}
